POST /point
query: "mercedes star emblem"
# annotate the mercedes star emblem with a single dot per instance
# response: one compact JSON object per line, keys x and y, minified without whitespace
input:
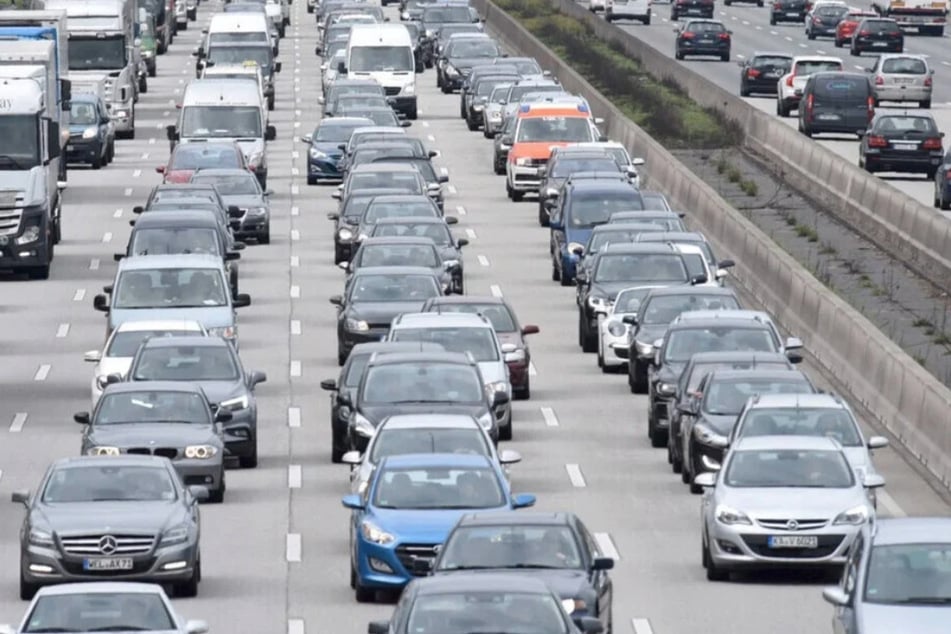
{"x":108,"y":545}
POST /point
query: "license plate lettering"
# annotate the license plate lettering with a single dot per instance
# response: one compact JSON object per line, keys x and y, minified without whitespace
{"x":905,"y":146}
{"x":108,"y":563}
{"x":793,"y":541}
{"x":828,"y":117}
{"x":792,"y":14}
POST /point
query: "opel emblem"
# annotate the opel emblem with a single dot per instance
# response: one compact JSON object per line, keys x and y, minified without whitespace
{"x":792,"y":525}
{"x":108,"y":545}
{"x":437,"y":548}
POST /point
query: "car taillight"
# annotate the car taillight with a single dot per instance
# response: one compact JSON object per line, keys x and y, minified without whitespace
{"x":724,"y":36}
{"x":879,"y":81}
{"x":948,"y":174}
{"x":816,"y":21}
{"x":789,"y":80}
{"x":777,"y":5}
{"x":871,"y":107}
{"x":864,"y":33}
{"x":752,"y":73}
{"x":687,"y":35}
{"x":931,"y":144}
{"x":877,"y":141}
{"x":928,"y":82}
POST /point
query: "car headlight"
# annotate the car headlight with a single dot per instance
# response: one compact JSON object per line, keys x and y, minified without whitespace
{"x":356,"y":325}
{"x":345,"y":234}
{"x":228,"y":332}
{"x":255,"y":159}
{"x":523,"y":161}
{"x":495,"y":115}
{"x":666,"y":389}
{"x":551,"y":192}
{"x":496,"y":386}
{"x":102,"y":451}
{"x":430,"y":33}
{"x":31,"y":234}
{"x":363,"y":426}
{"x":617,"y":329}
{"x":853,"y":516}
{"x":120,"y":114}
{"x":175,"y":535}
{"x":90,"y":133}
{"x":409,"y":89}
{"x":598,"y":303}
{"x":709,"y":436}
{"x":235,"y":404}
{"x":573,"y":605}
{"x":730,"y":516}
{"x":148,"y":53}
{"x":257,"y":211}
{"x":317,"y":154}
{"x":515,"y":356}
{"x":362,"y":237}
{"x":40,"y":538}
{"x":478,"y":107}
{"x":201,"y":452}
{"x":373,"y":533}
{"x":574,"y":245}
{"x":486,"y":421}
{"x":644,"y":349}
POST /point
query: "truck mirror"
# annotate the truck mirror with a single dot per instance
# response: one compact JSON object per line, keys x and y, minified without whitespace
{"x":171,"y":132}
{"x":52,"y":140}
{"x":123,"y":93}
{"x":66,"y":88}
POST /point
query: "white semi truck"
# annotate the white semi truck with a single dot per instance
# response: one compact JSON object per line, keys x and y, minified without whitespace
{"x":928,"y":16}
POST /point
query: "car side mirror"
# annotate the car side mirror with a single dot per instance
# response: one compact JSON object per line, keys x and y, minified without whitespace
{"x":523,"y":500}
{"x":877,"y":442}
{"x":835,"y":595}
{"x":602,"y":563}
{"x":461,"y":242}
{"x":793,"y":343}
{"x":443,"y":178}
{"x":278,"y":66}
{"x":257,"y":377}
{"x":100,"y":303}
{"x":270,"y":133}
{"x":239,"y":246}
{"x":234,"y":211}
{"x":352,"y":458}
{"x":508,"y":348}
{"x":343,"y":265}
{"x":230,"y":256}
{"x":93,"y":356}
{"x":171,"y":132}
{"x":530,"y":329}
{"x":589,"y":625}
{"x":223,"y":415}
{"x":706,"y":480}
{"x":342,"y":68}
{"x":160,"y":169}
{"x":21,"y":497}
{"x":336,"y":300}
{"x":199,"y":492}
{"x":328,"y":384}
{"x":630,"y":320}
{"x":333,"y":216}
{"x":506,"y":139}
{"x":352,"y":502}
{"x":873,"y":481}
{"x":382,"y":627}
{"x":451,"y":220}
{"x":81,"y":417}
{"x":194,"y":626}
{"x":405,"y":124}
{"x":306,"y":138}
{"x":579,"y":251}
{"x":337,"y":194}
{"x":698,"y":279}
{"x":500,"y":398}
{"x":509,"y":456}
{"x":241,"y":300}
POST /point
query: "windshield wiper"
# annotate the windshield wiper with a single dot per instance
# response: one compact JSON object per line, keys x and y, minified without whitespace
{"x":119,"y":628}
{"x":44,"y":630}
{"x":9,"y":159}
{"x":533,"y":566}
{"x":929,"y":600}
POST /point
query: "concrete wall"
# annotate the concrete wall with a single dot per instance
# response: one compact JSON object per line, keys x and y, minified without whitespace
{"x":910,"y":231}
{"x":899,"y":393}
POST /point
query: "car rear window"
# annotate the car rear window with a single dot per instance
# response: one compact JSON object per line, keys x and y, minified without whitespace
{"x":841,"y":88}
{"x":705,"y":27}
{"x":904,"y":123}
{"x":880,"y":26}
{"x":831,"y":11}
{"x":772,"y":62}
{"x":905,"y":66}
{"x":810,"y":67}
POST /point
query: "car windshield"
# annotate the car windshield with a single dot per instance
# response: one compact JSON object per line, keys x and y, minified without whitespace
{"x":222,"y":121}
{"x":83,"y":113}
{"x":601,"y":239}
{"x":654,"y":201}
{"x":795,"y":421}
{"x":393,"y":288}
{"x":499,"y":92}
{"x":108,"y":483}
{"x":667,"y":223}
{"x":699,"y":370}
{"x":442,"y":15}
{"x":840,"y":88}
{"x":423,"y":165}
{"x":399,"y":209}
{"x":630,"y":300}
{"x":237,"y":38}
{"x":663,"y":309}
{"x":512,"y":546}
{"x":378,"y":117}
{"x":880,"y":26}
{"x":567,"y":166}
{"x":475,"y":47}
{"x":516,"y":92}
{"x":97,"y":53}
{"x":484,"y":88}
{"x":596,"y":208}
{"x":438,"y":488}
{"x":339,"y":133}
{"x":185,"y":363}
{"x":489,"y":611}
{"x":357,"y":101}
{"x":905,"y":66}
{"x":399,"y":255}
{"x":165,"y":406}
{"x":727,"y":397}
{"x":365,"y":59}
{"x":396,"y":442}
{"x":228,"y":55}
{"x":170,"y":288}
{"x":641,"y":268}
{"x":555,"y":129}
{"x":832,"y":11}
{"x":804,"y":68}
{"x":770,"y":63}
{"x":114,"y":611}
{"x":178,"y":192}
{"x":244,"y":184}
{"x":403,"y":180}
{"x":498,"y":314}
{"x":909,"y":574}
{"x":126,"y":343}
{"x":704,"y":27}
{"x":783,"y":468}
{"x":478,"y":341}
{"x":193,"y":156}
{"x":422,"y":382}
{"x":174,"y":241}
{"x":684,"y":343}
{"x":906,"y":124}
{"x":438,"y":232}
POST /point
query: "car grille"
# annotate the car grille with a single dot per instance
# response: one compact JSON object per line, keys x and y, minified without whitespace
{"x":392,"y":90}
{"x":91,"y":544}
{"x":10,"y":221}
{"x":408,"y":553}
{"x":139,"y":566}
{"x":801,"y":525}
{"x":166,"y":452}
{"x":827,"y":546}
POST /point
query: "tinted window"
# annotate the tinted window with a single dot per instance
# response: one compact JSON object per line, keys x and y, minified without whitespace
{"x":841,"y":88}
{"x":401,"y":209}
{"x":393,"y":288}
{"x":513,"y":546}
{"x":903,"y":123}
{"x":231,"y":184}
{"x":684,"y":343}
{"x":832,"y":12}
{"x":99,"y":612}
{"x":480,"y":342}
{"x":789,"y":468}
{"x":386,"y":180}
{"x":125,"y":344}
{"x":472,"y":48}
{"x":170,"y":288}
{"x":438,"y":233}
{"x":438,"y":488}
{"x":185,"y":363}
{"x":558,"y":129}
{"x":567,"y":166}
{"x":193,"y":158}
{"x":904,"y":66}
{"x":174,"y":241}
{"x":772,"y":63}
{"x":640,"y":268}
{"x":103,"y":483}
{"x":727,"y":397}
{"x":705,"y":27}
{"x":395,"y":442}
{"x":498,"y":314}
{"x":422,"y":382}
{"x":880,"y":26}
{"x":599,"y":240}
{"x":589,"y":209}
{"x":909,"y":574}
{"x":794,"y":421}
{"x":399,"y":255}
{"x":808,"y":68}
{"x":663,"y":309}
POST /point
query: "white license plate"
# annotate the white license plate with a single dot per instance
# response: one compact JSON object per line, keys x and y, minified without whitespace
{"x":828,"y":117}
{"x":879,"y":44}
{"x":905,"y":146}
{"x":793,"y":541}
{"x":108,"y":563}
{"x":903,"y":80}
{"x":792,"y":14}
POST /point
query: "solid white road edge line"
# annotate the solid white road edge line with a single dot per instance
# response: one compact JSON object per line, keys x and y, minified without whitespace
{"x":575,"y":475}
{"x":549,"y":415}
{"x":19,"y":420}
{"x":295,"y":476}
{"x":606,"y":544}
{"x":293,"y":548}
{"x":293,"y":417}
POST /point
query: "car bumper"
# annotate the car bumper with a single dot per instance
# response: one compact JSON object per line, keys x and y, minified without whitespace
{"x":523,"y":178}
{"x":819,"y":30}
{"x":404,"y":105}
{"x":844,"y":126}
{"x":350,"y":338}
{"x":240,"y":432}
{"x":166,"y":565}
{"x":878,"y":45}
{"x":518,"y":374}
{"x":788,"y":16}
{"x":379,"y":567}
{"x":324,"y":168}
{"x":624,"y":12}
{"x":253,"y":225}
{"x":747,"y":547}
{"x":83,"y":151}
{"x":609,"y":345}
{"x":762,"y":86}
{"x":689,"y":48}
{"x":902,"y":93}
{"x":902,"y":162}
{"x":14,"y":256}
{"x":208,"y":473}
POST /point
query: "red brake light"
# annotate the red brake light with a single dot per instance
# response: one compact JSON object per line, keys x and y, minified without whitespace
{"x":928,"y":81}
{"x":687,"y":35}
{"x":871,"y":107}
{"x":877,"y":141}
{"x":789,"y":79}
{"x":931,"y":144}
{"x":948,"y":174}
{"x":724,"y":36}
{"x":752,"y":73}
{"x":864,"y":33}
{"x":879,"y":81}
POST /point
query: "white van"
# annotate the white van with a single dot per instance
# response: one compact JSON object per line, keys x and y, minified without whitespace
{"x":248,"y":71}
{"x":239,"y":28}
{"x":384,"y":53}
{"x":226,"y":110}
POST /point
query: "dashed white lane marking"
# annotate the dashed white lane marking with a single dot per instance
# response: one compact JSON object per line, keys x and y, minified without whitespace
{"x":425,"y":124}
{"x":788,"y":39}
{"x":946,"y":63}
{"x":452,"y":189}
{"x":19,"y":420}
{"x":745,"y":22}
{"x":531,"y":369}
{"x":107,"y":236}
{"x":295,"y":327}
{"x":117,"y":213}
{"x":295,"y":291}
{"x":483,"y":261}
{"x":642,"y":626}
{"x":62,"y":331}
{"x":136,"y":173}
{"x":496,"y":290}
{"x":295,"y":211}
{"x":296,"y":368}
{"x":738,"y":56}
{"x":773,"y":33}
{"x":295,"y":626}
{"x":295,"y":171}
{"x":145,"y":156}
{"x":549,"y":415}
{"x":820,"y":52}
{"x":295,"y":476}
{"x":802,"y":45}
{"x":444,"y":171}
{"x":606,"y":544}
{"x":857,"y":67}
{"x":293,"y":547}
{"x":152,"y":141}
{"x":79,"y":295}
{"x":734,"y":18}
{"x":94,"y":264}
{"x":575,"y":475}
{"x":889,"y":504}
{"x":295,"y":260}
{"x":431,"y":137}
{"x":471,"y":234}
{"x":460,"y":210}
{"x":293,"y":417}
{"x":295,"y":190}
{"x":295,"y":235}
{"x":759,"y":28}
{"x":295,"y":155}
{"x":127,"y":192}
{"x":42,"y":372}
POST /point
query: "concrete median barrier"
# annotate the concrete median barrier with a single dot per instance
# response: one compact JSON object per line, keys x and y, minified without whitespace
{"x":873,"y":371}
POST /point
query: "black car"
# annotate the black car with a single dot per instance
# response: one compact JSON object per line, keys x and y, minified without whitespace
{"x":240,"y":188}
{"x":788,"y":11}
{"x":393,"y":206}
{"x":393,"y":146}
{"x":347,"y":220}
{"x":836,"y":102}
{"x":703,"y":37}
{"x":658,"y":309}
{"x":695,"y":8}
{"x":708,"y":418}
{"x":821,"y":22}
{"x":437,"y":230}
{"x":480,"y":70}
{"x":907,"y":142}
{"x":563,"y":163}
{"x":942,"y":184}
{"x":92,"y":138}
{"x":879,"y":35}
{"x":478,"y":95}
{"x":166,"y":193}
{"x":460,"y":55}
{"x":492,"y":602}
{"x":420,"y":383}
{"x":760,"y":72}
{"x":622,"y":266}
{"x":556,"y":548}
{"x":374,"y":297}
{"x":345,"y":387}
{"x":602,"y":236}
{"x":432,"y":19}
{"x":425,"y":167}
{"x":385,"y":251}
{"x":698,"y":367}
{"x":185,"y":231}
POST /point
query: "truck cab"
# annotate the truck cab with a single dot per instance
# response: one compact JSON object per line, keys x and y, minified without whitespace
{"x":384,"y":53}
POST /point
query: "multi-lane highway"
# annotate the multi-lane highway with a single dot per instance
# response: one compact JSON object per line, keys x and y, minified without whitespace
{"x":275,"y":553}
{"x":753,"y":33}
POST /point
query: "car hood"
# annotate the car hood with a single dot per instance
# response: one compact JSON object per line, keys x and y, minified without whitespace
{"x":151,"y":435}
{"x":244,"y":201}
{"x":330,"y":148}
{"x":113,"y":365}
{"x":888,"y":619}
{"x":376,"y":413}
{"x":651,"y":333}
{"x":74,"y":519}
{"x":207,"y":316}
{"x":770,"y":503}
{"x":722,"y":424}
{"x":609,"y":289}
{"x":566,"y":583}
{"x":421,"y":526}
{"x":536,"y":150}
{"x":380,"y":312}
{"x":493,"y":371}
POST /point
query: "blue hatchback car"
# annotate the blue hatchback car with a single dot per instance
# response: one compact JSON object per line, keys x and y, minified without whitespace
{"x":323,"y":158}
{"x":407,"y":510}
{"x":92,"y":135}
